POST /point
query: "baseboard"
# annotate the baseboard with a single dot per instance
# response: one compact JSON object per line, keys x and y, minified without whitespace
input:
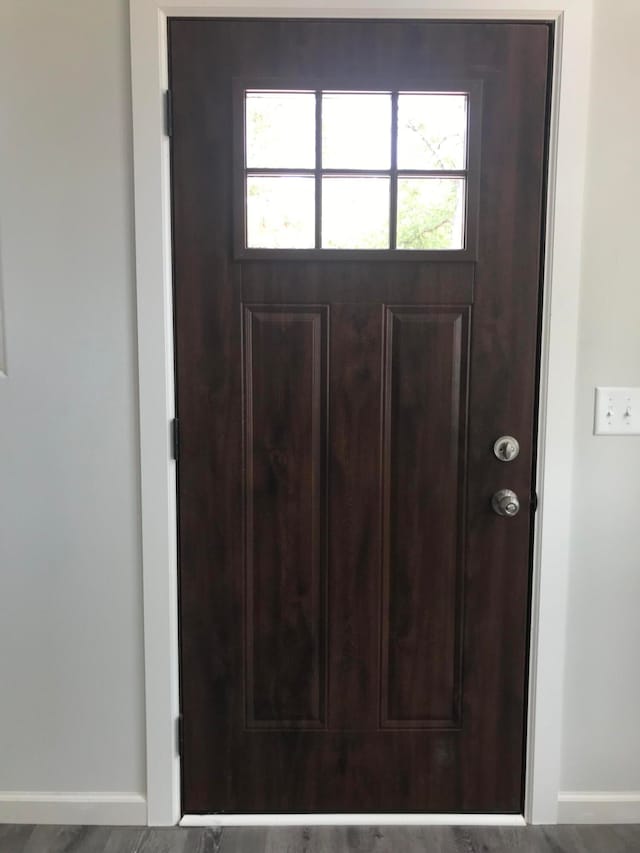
{"x":599,"y":807}
{"x":112,"y":809}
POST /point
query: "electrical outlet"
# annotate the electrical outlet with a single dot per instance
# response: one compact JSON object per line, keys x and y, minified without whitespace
{"x":617,"y":411}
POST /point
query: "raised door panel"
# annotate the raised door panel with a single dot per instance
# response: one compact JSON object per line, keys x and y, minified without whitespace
{"x":285,"y":416}
{"x":424,"y":448}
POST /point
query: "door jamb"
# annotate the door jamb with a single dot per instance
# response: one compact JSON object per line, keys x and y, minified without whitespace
{"x":148,"y":20}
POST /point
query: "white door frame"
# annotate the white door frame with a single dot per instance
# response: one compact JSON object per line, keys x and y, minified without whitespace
{"x":557,"y":392}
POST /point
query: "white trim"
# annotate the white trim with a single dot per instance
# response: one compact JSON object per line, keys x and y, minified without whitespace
{"x":568,"y":155}
{"x":599,"y":807}
{"x":156,"y":393}
{"x":556,"y":419}
{"x":112,"y":809}
{"x":353,"y":820}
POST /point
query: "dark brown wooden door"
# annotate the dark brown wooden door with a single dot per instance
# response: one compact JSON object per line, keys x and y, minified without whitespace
{"x":353,"y":614}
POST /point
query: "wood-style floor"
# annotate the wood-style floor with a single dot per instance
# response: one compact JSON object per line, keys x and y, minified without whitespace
{"x":557,"y":839}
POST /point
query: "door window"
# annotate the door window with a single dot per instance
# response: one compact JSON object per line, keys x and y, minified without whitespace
{"x":328,"y":172}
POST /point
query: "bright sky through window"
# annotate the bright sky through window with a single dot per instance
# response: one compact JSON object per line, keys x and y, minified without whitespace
{"x":364,"y":199}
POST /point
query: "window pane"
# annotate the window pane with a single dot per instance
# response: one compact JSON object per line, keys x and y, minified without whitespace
{"x":280,"y":212}
{"x":356,"y":131}
{"x":355,"y":213}
{"x":281,"y":130}
{"x":431,"y":213}
{"x":432,"y":131}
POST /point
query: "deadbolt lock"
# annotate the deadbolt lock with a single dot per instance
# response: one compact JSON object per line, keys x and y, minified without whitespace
{"x":506,"y":448}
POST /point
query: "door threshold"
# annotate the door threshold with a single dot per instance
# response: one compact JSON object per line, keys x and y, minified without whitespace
{"x":353,"y":820}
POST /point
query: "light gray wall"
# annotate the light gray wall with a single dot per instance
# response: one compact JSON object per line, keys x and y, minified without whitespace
{"x":71,"y":674}
{"x":602,"y":700}
{"x":71,"y":666}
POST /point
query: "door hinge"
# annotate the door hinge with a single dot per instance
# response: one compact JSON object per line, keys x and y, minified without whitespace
{"x":175,"y":438}
{"x":179,"y":734}
{"x":534,"y":502}
{"x":168,"y":113}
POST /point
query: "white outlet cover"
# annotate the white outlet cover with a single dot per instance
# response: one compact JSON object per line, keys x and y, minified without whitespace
{"x":617,"y":411}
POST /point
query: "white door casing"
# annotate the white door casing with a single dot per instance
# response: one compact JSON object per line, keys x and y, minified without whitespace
{"x":558,"y":369}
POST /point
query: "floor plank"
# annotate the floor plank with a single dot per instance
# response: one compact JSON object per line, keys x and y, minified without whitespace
{"x":181,"y":841}
{"x":14,"y":837}
{"x":339,"y":838}
{"x":559,"y":839}
{"x":595,"y":839}
{"x":84,"y":839}
{"x":58,"y":839}
{"x":500,"y":839}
